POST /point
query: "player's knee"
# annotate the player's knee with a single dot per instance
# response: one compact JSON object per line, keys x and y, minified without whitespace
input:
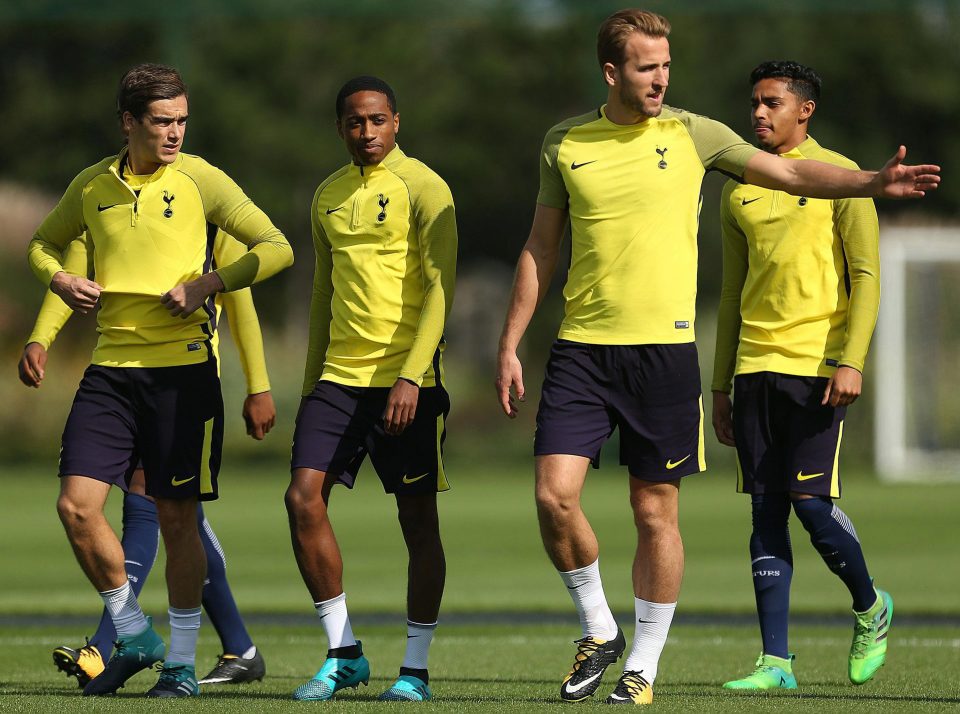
{"x":653,"y":515}
{"x":420,"y":525}
{"x":73,"y":513}
{"x":303,"y":502}
{"x":553,"y":502}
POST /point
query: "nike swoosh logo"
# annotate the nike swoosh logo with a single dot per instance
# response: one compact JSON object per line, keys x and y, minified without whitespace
{"x":803,"y":477}
{"x":674,"y":464}
{"x":584,"y":683}
{"x":179,"y":482}
{"x":619,"y":698}
{"x":101,"y":208}
{"x":334,"y":210}
{"x":407,"y":479}
{"x":574,"y":166}
{"x":744,"y":201}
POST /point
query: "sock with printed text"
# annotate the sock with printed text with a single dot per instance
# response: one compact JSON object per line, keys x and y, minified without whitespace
{"x":771,"y":563}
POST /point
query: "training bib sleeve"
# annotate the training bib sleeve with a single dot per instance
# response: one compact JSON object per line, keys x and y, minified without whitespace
{"x":226,"y":205}
{"x":856,"y":221}
{"x":436,"y":223}
{"x":735,"y":264}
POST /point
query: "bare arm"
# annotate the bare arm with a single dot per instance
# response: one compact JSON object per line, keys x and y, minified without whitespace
{"x":535,"y":268}
{"x":816,"y":179}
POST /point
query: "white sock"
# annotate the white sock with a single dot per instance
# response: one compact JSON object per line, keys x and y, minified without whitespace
{"x":250,"y":653}
{"x":121,"y":603}
{"x":336,"y":621}
{"x":419,"y":637}
{"x":653,"y":625}
{"x":184,"y":629}
{"x":586,"y":591}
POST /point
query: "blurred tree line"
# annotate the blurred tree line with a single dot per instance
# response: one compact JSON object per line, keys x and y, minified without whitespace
{"x":478,"y":83}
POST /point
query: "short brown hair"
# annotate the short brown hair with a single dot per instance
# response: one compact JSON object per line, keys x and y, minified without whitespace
{"x":617,"y":29}
{"x":147,"y":83}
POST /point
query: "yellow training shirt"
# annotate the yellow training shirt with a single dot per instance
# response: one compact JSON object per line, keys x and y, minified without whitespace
{"x":149,"y":239}
{"x":801,"y":279}
{"x":241,"y":312}
{"x":386,"y":246}
{"x":633,"y":196}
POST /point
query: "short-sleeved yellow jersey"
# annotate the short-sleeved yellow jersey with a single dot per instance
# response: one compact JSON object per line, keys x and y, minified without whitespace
{"x":633,"y":196}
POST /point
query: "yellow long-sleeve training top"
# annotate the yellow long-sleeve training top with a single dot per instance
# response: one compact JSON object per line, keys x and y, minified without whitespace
{"x":241,"y":312}
{"x":386,"y":247}
{"x":801,"y":279}
{"x":147,"y":235}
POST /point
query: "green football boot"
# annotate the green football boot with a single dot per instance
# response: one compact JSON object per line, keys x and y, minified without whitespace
{"x":130,"y":655}
{"x":770,"y":673}
{"x":176,"y":680}
{"x":869,"y":648}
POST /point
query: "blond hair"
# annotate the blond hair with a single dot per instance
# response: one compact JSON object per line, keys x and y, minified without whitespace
{"x":617,"y":29}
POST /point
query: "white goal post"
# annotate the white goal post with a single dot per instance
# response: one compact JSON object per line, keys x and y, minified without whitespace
{"x":917,"y":355}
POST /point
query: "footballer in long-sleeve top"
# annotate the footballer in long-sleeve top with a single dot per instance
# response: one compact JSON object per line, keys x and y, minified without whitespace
{"x":386,"y":248}
{"x":148,"y":234}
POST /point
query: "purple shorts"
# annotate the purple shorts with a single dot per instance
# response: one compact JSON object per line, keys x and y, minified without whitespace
{"x":650,"y":392}
{"x":170,"y":419}
{"x":337,"y":427}
{"x":786,"y":440}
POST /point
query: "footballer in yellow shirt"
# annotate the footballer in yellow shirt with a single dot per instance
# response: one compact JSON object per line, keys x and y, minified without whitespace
{"x":801,"y":291}
{"x":626,"y":178}
{"x":385,"y":238}
{"x":152,"y":394}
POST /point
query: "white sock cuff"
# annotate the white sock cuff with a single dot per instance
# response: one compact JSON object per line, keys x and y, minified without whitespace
{"x":579,"y":576}
{"x":331,"y":602}
{"x":654,"y":611}
{"x":422,"y":625}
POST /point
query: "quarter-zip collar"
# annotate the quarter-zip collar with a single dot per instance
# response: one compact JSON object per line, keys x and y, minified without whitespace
{"x":390,"y":160}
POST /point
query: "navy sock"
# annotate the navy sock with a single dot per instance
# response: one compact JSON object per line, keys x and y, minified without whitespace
{"x":832,"y":534}
{"x":140,"y":540}
{"x":772,"y":566}
{"x":217,"y":598}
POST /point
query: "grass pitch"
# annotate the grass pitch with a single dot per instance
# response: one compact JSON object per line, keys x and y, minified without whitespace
{"x":517,"y":668}
{"x":495,"y":561}
{"x":507,"y":624}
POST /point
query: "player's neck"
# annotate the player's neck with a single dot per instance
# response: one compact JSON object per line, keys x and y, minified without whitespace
{"x":787,"y":146}
{"x":622,"y":115}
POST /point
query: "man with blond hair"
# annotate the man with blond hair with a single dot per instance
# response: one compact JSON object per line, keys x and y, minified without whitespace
{"x":627,"y":177}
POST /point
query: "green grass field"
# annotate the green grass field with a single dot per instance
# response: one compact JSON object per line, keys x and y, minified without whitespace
{"x":511,"y":658}
{"x":517,"y":668}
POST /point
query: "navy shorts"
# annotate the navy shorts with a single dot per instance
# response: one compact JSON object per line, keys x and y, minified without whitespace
{"x":170,"y":419}
{"x":337,"y":427}
{"x":650,"y":392}
{"x":786,"y":440}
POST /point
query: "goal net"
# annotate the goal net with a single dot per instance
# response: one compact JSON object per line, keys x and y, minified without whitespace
{"x":917,"y":355}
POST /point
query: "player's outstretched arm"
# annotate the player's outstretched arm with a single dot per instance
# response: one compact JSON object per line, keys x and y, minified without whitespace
{"x":535,"y":268}
{"x":816,"y":179}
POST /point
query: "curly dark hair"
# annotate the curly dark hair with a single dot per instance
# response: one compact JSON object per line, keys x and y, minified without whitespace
{"x":365,"y":83}
{"x":801,"y":80}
